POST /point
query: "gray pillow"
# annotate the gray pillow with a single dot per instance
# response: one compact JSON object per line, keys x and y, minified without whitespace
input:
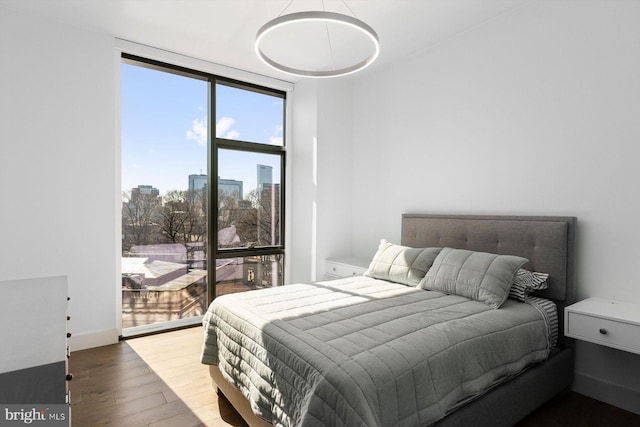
{"x":480,"y":276}
{"x":401,"y":264}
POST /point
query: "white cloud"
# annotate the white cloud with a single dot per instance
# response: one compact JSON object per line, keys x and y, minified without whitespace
{"x":223,"y":127}
{"x":276,"y":139}
{"x":198,"y":132}
{"x":232,"y":134}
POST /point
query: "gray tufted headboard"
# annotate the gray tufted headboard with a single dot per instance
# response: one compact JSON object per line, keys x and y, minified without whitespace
{"x":546,"y":241}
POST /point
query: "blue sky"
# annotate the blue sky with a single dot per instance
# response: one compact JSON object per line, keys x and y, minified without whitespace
{"x":164,"y":129}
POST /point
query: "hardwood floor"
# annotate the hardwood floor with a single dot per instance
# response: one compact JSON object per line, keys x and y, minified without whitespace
{"x":152,"y":381}
{"x":158,"y":380}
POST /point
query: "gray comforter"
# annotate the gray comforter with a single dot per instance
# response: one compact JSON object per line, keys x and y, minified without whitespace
{"x":366,"y":352}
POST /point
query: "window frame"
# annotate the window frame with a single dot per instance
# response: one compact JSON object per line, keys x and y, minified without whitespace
{"x":213,"y":145}
{"x":252,"y":147}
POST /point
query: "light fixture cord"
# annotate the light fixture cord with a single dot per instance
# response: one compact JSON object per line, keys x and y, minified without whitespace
{"x":285,"y":8}
{"x":326,"y":27}
{"x":350,"y":10}
{"x":323,"y":8}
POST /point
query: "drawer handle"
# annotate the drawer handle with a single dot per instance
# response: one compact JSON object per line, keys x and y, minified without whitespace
{"x":603,"y":331}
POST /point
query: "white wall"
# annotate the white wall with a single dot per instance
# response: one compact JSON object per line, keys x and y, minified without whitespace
{"x":322,"y":159}
{"x":535,"y":112}
{"x":302,"y":204}
{"x":57,"y":165}
{"x":335,"y":163}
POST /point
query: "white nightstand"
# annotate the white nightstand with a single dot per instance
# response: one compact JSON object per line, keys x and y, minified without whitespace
{"x":345,"y":267}
{"x":611,"y":323}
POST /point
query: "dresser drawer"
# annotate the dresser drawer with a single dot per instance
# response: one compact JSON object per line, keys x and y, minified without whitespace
{"x":612,"y":333}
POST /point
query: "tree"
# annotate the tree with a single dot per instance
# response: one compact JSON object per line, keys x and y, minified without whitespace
{"x":138,"y":214}
{"x":195,"y":229}
{"x":183,"y":219}
{"x":173,"y":215}
{"x":259,"y":223}
{"x":268,"y":221}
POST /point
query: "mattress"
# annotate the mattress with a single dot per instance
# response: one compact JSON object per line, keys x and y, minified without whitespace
{"x":367,"y":352}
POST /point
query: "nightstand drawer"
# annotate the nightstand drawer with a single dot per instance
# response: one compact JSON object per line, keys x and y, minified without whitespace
{"x":334,"y":268}
{"x":612,"y":333}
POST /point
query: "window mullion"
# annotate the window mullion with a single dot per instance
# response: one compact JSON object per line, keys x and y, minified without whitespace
{"x":212,"y":182}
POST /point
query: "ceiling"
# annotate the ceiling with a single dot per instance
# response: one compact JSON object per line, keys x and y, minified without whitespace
{"x":223,"y":31}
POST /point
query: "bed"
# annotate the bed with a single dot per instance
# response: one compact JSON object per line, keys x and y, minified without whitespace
{"x":329,"y":374}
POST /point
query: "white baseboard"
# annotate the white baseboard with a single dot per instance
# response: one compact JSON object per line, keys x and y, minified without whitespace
{"x":93,"y":339}
{"x":610,"y":393}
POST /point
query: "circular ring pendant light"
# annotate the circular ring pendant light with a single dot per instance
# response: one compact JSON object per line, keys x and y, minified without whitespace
{"x":290,"y":20}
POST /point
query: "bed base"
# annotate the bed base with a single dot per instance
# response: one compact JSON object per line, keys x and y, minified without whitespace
{"x":239,"y":402}
{"x":512,"y":401}
{"x":502,"y":406}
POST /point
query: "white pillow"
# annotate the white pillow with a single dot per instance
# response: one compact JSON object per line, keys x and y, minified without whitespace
{"x":401,"y":264}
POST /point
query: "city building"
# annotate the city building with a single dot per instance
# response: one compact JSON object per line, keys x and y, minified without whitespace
{"x":197,"y":183}
{"x":231,"y":187}
{"x":144,"y":190}
{"x":265,"y":176}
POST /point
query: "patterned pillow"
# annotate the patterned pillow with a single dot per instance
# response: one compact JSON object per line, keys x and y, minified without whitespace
{"x":526,"y":282}
{"x":401,"y":264}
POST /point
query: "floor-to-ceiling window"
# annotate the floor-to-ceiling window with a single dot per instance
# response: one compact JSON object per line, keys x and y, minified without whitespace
{"x":179,"y":182}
